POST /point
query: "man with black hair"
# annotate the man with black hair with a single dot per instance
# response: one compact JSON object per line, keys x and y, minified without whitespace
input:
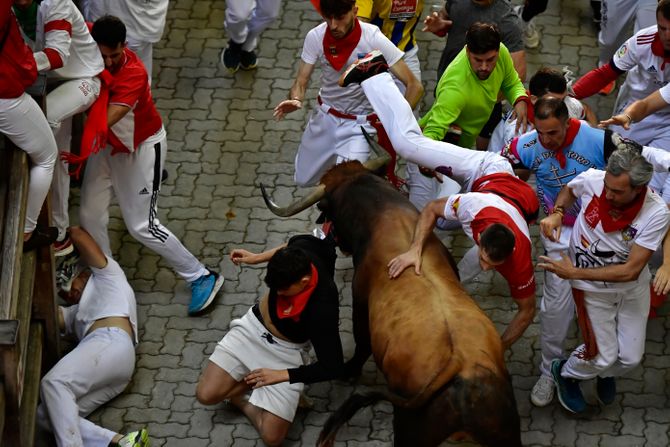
{"x":131,"y":164}
{"x":102,"y":315}
{"x":546,"y":81}
{"x":333,"y":132}
{"x":498,"y":227}
{"x":263,"y":352}
{"x":468,"y":90}
{"x":494,"y":210}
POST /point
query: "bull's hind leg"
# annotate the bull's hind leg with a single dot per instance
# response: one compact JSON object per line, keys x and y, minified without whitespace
{"x":489,"y":410}
{"x":425,"y":427}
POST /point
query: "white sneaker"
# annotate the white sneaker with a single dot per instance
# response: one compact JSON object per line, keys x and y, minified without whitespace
{"x":543,"y":391}
{"x":531,"y":36}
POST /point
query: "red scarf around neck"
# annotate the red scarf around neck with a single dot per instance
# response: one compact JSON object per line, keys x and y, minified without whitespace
{"x":613,"y":219}
{"x":658,"y":50}
{"x":573,"y":129}
{"x":337,"y":51}
{"x":292,"y":306}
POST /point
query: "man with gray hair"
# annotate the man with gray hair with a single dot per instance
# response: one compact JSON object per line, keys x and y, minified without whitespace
{"x":620,"y":224}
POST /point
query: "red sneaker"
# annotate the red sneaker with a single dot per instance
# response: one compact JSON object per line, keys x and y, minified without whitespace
{"x":64,"y":247}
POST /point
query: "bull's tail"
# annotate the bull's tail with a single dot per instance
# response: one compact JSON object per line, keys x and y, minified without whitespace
{"x":344,"y":413}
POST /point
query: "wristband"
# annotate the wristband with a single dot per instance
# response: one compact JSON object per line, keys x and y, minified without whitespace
{"x":630,"y":119}
{"x":559,"y":210}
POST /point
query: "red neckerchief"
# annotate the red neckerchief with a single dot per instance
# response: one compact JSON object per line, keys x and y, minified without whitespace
{"x":658,"y":50}
{"x":612,"y":219}
{"x":573,"y":128}
{"x":94,"y":136}
{"x":337,"y":51}
{"x":292,"y":306}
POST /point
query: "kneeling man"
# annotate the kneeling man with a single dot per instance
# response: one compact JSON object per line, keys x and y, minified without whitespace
{"x":263,"y":352}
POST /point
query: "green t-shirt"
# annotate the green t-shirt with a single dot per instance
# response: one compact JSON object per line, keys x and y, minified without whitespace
{"x":461,"y":98}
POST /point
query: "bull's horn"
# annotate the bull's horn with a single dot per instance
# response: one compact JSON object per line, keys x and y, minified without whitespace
{"x":383,"y":156}
{"x":297,"y":206}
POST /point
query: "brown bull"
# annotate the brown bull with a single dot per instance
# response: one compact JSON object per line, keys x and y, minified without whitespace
{"x":440,"y":354}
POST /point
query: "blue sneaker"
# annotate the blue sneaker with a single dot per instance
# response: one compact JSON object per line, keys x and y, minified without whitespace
{"x":569,"y":393}
{"x":606,"y":388}
{"x":203,"y":291}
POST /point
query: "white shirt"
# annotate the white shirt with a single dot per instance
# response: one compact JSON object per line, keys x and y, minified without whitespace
{"x":646,"y":71}
{"x":107,"y":294}
{"x":144,"y":19}
{"x":665,"y":93}
{"x":350,"y":99}
{"x":593,"y":248}
{"x":61,"y":27}
{"x":505,"y":131}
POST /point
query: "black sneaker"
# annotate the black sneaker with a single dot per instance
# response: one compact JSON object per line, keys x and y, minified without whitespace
{"x":372,"y":64}
{"x":569,"y":393}
{"x":606,"y":388}
{"x":231,"y":55}
{"x":248,"y":60}
{"x":40,"y":237}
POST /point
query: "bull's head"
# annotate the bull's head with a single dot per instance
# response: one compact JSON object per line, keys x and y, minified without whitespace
{"x":318,"y":192}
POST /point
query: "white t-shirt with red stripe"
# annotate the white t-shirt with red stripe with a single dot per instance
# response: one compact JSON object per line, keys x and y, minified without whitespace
{"x":476,"y":212}
{"x":350,"y":99}
{"x":642,"y":56}
{"x":593,"y":248}
{"x":130,"y":88}
{"x":62,"y":35}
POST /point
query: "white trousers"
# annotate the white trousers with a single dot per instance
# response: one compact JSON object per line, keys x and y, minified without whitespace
{"x":247,"y":19}
{"x":135,"y":181}
{"x":619,"y":323}
{"x":617,"y":15}
{"x":465,"y":165}
{"x":557,"y":307}
{"x":92,"y":374}
{"x":327,"y":141}
{"x":65,"y":101}
{"x":22,"y":120}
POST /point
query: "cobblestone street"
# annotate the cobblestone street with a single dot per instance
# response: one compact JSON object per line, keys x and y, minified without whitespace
{"x":222,"y":143}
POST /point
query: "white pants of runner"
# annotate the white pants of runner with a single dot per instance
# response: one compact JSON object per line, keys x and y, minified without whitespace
{"x":92,"y":374}
{"x":246,"y":20}
{"x":145,"y":51}
{"x":652,"y":131}
{"x":617,"y":15}
{"x":557,"y":308}
{"x":619,"y":322}
{"x":394,"y":112}
{"x":422,"y":189}
{"x":135,"y":181}
{"x":327,"y":141}
{"x":65,"y":101}
{"x":22,"y":120}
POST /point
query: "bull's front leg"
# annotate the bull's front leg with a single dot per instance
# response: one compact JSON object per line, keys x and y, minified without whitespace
{"x":361,"y":325}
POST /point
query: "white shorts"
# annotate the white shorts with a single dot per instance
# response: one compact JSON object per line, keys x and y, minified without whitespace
{"x":248,"y":345}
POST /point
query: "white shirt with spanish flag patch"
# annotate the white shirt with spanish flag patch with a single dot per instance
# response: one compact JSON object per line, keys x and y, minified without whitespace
{"x":594,"y":248}
{"x":647,"y":71}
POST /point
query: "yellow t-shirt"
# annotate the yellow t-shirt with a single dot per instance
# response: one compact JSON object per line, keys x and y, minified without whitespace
{"x":397,"y":19}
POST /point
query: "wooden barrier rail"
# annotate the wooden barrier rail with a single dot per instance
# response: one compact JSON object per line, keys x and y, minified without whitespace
{"x":29,"y":336}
